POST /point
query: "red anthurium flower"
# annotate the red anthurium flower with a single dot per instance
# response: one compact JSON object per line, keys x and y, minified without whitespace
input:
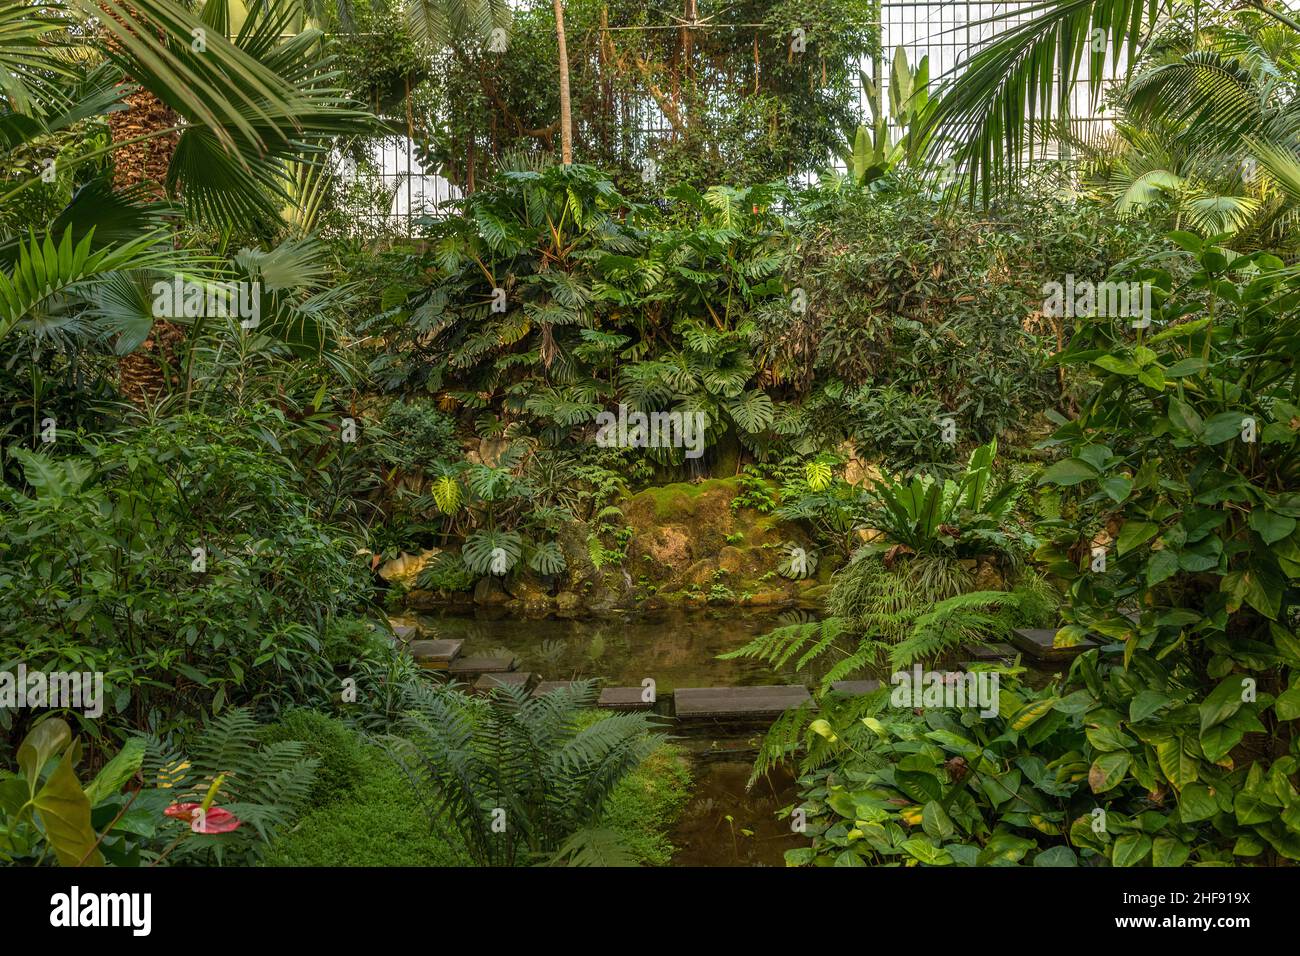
{"x":215,"y":820}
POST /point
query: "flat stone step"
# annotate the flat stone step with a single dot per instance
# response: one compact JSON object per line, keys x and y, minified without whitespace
{"x":490,"y":682}
{"x":435,"y":655}
{"x":623,"y":698}
{"x":1039,"y":643}
{"x":405,"y":632}
{"x":546,"y":686}
{"x":855,"y":688}
{"x":763,"y":701}
{"x":989,"y":652}
{"x":482,"y":665}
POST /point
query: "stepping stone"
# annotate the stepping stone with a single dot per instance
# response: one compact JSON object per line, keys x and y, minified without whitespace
{"x":546,"y":686}
{"x":990,"y":652}
{"x":405,"y":632}
{"x":435,"y":655}
{"x":482,"y":665}
{"x":854,"y":688}
{"x":1039,"y":643}
{"x":768,"y":701}
{"x":623,"y":698}
{"x":511,"y":679}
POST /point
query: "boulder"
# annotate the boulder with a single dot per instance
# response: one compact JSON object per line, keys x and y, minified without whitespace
{"x":669,"y":547}
{"x":490,"y":451}
{"x":405,"y":568}
{"x":490,"y":591}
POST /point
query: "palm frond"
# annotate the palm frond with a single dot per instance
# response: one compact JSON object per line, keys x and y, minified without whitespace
{"x":1017,"y":89}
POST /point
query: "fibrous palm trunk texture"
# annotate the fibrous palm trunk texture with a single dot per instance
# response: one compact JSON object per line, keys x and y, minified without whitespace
{"x":141,"y":156}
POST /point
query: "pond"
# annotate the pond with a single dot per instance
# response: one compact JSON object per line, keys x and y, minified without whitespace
{"x":676,"y":650}
{"x":723,"y":824}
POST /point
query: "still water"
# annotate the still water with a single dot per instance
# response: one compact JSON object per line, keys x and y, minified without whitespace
{"x":723,"y":824}
{"x":676,"y":650}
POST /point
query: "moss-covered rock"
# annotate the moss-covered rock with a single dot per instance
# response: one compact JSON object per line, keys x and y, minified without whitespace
{"x":682,"y":544}
{"x":687,"y":538}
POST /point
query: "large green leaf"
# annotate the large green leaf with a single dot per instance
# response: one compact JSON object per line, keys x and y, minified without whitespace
{"x":114,"y":774}
{"x":64,"y":812}
{"x":1222,"y":702}
{"x":61,"y":807}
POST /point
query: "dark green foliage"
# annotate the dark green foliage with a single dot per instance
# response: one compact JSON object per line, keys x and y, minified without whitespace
{"x":373,"y":817}
{"x":916,"y":313}
{"x":227,"y":764}
{"x":1174,"y":742}
{"x":587,"y":280}
{"x":738,"y":104}
{"x":447,"y":572}
{"x":419,"y":435}
{"x":518,"y":778}
{"x":951,"y":788}
{"x":101,"y":574}
{"x":1185,"y":460}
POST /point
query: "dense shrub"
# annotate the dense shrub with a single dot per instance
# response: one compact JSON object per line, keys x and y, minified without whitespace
{"x":1183,"y":464}
{"x":366,"y":812}
{"x":1174,"y":742}
{"x":916,"y":312}
{"x":419,"y":435}
{"x":102,"y":572}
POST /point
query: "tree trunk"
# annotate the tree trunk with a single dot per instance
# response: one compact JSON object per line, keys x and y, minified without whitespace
{"x":142,"y":165}
{"x":566,"y":116}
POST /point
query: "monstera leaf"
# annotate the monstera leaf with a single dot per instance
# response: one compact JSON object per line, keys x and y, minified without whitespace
{"x":446,"y":493}
{"x":547,"y":558}
{"x":796,"y":562}
{"x":492,"y":552}
{"x":753,"y":411}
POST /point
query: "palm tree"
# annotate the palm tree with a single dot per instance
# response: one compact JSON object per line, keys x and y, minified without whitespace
{"x":1192,"y":121}
{"x":212,"y":121}
{"x":1015,"y":93}
{"x":152,"y":153}
{"x":521,"y":779}
{"x":439,"y":22}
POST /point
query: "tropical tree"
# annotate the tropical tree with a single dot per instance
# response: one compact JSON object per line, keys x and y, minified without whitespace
{"x":1196,"y":119}
{"x":566,"y":116}
{"x":194,"y":116}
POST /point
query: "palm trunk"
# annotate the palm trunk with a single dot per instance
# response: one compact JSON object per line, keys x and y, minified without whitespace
{"x":145,"y":374}
{"x":566,"y":116}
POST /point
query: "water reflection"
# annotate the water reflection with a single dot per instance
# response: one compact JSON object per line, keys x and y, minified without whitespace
{"x":677,"y":650}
